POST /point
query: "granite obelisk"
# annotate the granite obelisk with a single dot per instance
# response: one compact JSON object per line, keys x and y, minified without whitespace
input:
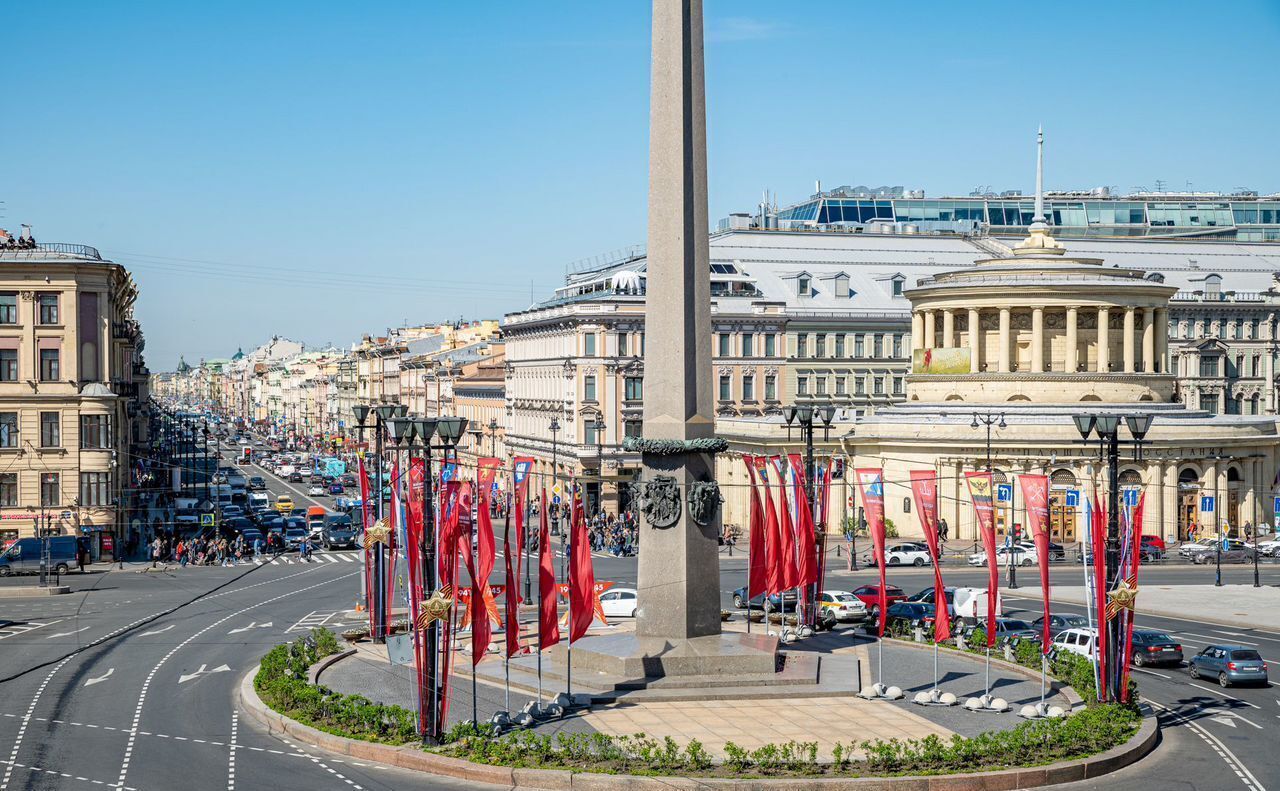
{"x":679,"y":571}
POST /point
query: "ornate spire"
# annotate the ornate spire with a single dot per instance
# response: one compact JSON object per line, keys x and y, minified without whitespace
{"x":1038,"y":241}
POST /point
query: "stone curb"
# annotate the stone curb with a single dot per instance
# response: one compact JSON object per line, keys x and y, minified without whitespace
{"x":313,"y":672}
{"x":562,"y":780}
{"x":33,"y":591}
{"x":1173,"y":615}
{"x":1055,"y":686}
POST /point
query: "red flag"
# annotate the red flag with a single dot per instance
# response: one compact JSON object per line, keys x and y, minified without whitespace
{"x":549,"y":625}
{"x":871,"y":486}
{"x":757,"y":570}
{"x":1035,"y":498}
{"x":806,"y":559}
{"x":980,"y":491}
{"x":1098,"y":548}
{"x":772,"y":531}
{"x":790,"y":572}
{"x":481,"y":631}
{"x":582,"y":576}
{"x":510,"y":596}
{"x":1135,"y":560}
{"x":924,"y":487}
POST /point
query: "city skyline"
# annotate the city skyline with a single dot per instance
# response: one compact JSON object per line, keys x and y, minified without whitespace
{"x":399,"y":152}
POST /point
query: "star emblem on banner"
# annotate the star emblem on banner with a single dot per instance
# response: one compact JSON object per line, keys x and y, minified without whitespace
{"x":435,"y":607}
{"x":378,"y":534}
{"x":1122,"y":598}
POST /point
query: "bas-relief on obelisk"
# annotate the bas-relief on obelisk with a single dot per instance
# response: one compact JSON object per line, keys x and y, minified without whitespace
{"x":678,"y":621}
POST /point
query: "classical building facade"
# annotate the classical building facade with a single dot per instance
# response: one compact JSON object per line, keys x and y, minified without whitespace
{"x":73,"y":388}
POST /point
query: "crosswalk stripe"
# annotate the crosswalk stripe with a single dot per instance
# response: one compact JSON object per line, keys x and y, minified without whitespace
{"x":275,"y":561}
{"x":348,"y":558}
{"x":330,"y":558}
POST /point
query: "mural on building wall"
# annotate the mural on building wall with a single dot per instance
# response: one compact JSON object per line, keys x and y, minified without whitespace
{"x":940,"y":361}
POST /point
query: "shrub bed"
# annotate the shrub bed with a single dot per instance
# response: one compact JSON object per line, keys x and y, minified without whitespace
{"x":281,"y":682}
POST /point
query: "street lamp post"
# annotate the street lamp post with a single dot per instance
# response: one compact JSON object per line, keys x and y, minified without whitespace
{"x":598,"y":427}
{"x":1107,"y":427}
{"x":493,"y":436}
{"x":988,"y":420}
{"x":804,"y":418}
{"x":382,"y":414}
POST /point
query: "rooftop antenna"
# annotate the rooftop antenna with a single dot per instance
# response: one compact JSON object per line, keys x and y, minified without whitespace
{"x":1159,"y":185}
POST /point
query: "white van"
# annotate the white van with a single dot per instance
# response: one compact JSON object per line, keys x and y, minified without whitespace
{"x":285,"y":470}
{"x":970,"y":604}
{"x":1077,"y":641}
{"x":259,"y":501}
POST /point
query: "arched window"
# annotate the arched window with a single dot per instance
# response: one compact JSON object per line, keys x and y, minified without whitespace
{"x":1063,"y":478}
{"x":1233,"y":475}
{"x":1130,"y":478}
{"x":1018,"y":397}
{"x":1189,"y":475}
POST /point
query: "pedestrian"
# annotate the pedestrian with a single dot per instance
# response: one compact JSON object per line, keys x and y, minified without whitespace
{"x":155,"y":551}
{"x":80,"y":553}
{"x":942,"y":529}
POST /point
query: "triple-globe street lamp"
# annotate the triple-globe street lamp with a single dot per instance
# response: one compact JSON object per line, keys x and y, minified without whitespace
{"x":806,"y":418}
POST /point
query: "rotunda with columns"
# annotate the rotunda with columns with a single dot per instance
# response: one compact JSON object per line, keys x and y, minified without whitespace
{"x":1024,"y":343}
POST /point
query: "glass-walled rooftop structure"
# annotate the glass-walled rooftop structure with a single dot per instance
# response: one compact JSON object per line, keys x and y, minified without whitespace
{"x":1235,"y":218}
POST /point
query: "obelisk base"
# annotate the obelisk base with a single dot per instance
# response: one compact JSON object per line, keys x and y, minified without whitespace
{"x":630,"y":656}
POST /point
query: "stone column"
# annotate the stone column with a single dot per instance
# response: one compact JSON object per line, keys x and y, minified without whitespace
{"x":917,"y":330}
{"x":679,"y":571}
{"x":930,"y":330}
{"x":1004,"y":340}
{"x":975,"y":342}
{"x":1037,"y":339}
{"x":1129,"y":362}
{"x":1071,"y":364}
{"x":948,"y":328}
{"x":1104,"y":339}
{"x":1149,"y":340}
{"x":1169,"y":502}
{"x":1207,"y":487}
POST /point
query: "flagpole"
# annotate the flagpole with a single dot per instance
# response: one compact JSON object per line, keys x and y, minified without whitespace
{"x":1088,"y":591}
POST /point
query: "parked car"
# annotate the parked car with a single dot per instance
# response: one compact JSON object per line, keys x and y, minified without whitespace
{"x":907,"y":554}
{"x":1077,"y":641}
{"x":251,"y":534}
{"x":24,"y":556}
{"x":1151,"y":549}
{"x":1059,"y":623}
{"x":1233,"y":551}
{"x":256,"y":483}
{"x":295,"y":477}
{"x":1056,"y":551}
{"x":284,"y":503}
{"x":338,"y":532}
{"x":618,"y":603}
{"x":1016,"y":554}
{"x":1269,"y":549}
{"x":908,"y":614}
{"x":842,"y":605}
{"x":1153,"y":647}
{"x":317,"y":490}
{"x":777,"y":602}
{"x":870,"y":596}
{"x":293,"y":536}
{"x":1007,"y":629}
{"x":1229,"y":664}
{"x":231,"y":511}
{"x":335,"y":488}
{"x":1190,"y":550}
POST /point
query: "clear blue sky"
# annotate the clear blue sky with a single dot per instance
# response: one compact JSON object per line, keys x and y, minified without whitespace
{"x":324,"y":169}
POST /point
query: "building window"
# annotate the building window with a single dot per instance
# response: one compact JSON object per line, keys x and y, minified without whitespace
{"x":1233,"y":404}
{"x":633,"y":388}
{"x":622,"y":344}
{"x":640,"y":339}
{"x":50,"y":430}
{"x":94,"y":489}
{"x":589,"y":344}
{"x":8,"y":429}
{"x":820,"y":383}
{"x":804,"y":286}
{"x":860,"y":385}
{"x":878,"y":383}
{"x":95,"y":432}
{"x":897,"y":346}
{"x":840,"y":345}
{"x":632,"y":428}
{"x":771,"y":388}
{"x":874,"y":351}
{"x":48,"y":309}
{"x":802,"y":385}
{"x":771,"y":345}
{"x":49,"y":365}
{"x":590,"y":434}
{"x":1255,"y":364}
{"x":726,"y":387}
{"x":841,"y":386}
{"x":802,"y":345}
{"x":897,"y":287}
{"x":748,"y":344}
{"x":820,"y":345}
{"x":589,"y":388}
{"x":748,"y":388}
{"x":857,"y":346}
{"x":725,"y":345}
{"x":897,"y":385}
{"x":9,"y":308}
{"x":50,"y":495}
{"x":8,"y":365}
{"x":8,"y":489}
{"x":1209,"y":367}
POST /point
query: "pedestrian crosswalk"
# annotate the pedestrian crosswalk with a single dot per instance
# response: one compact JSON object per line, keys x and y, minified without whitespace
{"x":317,"y":557}
{"x":15,"y":629}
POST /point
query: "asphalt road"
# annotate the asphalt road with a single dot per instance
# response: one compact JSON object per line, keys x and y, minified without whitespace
{"x":129,"y":682}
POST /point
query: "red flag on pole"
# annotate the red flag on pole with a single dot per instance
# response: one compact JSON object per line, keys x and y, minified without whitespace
{"x":790,"y":572}
{"x":481,"y":631}
{"x":1131,"y":577}
{"x":924,"y":487}
{"x":871,"y":486}
{"x":773,"y":578}
{"x":1098,"y":549}
{"x":549,"y":624}
{"x":757,"y":570}
{"x":806,"y":546}
{"x":980,"y":491}
{"x":368,"y":551}
{"x":582,"y":577}
{"x":1035,"y":498}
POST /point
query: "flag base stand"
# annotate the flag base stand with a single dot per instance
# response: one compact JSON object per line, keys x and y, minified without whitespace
{"x":501,"y":720}
{"x":565,"y":703}
{"x":878,"y":691}
{"x":530,"y":714}
{"x":1042,"y":711}
{"x":987,"y":703}
{"x":935,"y":697}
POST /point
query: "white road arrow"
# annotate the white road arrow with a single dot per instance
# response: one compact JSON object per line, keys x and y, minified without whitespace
{"x":100,"y":678}
{"x":66,"y":634}
{"x":157,"y":631}
{"x":1224,"y":721}
{"x":254,"y":625}
{"x":184,"y":678}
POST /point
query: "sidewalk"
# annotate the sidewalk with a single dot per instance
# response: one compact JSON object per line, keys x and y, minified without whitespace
{"x":1230,"y":605}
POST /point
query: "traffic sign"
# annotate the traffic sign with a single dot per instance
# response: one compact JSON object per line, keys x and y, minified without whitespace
{"x":1073,"y":498}
{"x":207,"y":520}
{"x":1131,"y":498}
{"x":555,"y":500}
{"x":1275,"y":505}
{"x":1004,"y":492}
{"x":1206,"y":503}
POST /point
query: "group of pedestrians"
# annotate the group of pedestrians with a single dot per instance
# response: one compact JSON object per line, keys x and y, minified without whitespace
{"x":210,"y":551}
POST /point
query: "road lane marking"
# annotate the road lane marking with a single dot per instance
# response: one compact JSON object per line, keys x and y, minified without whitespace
{"x":231,"y":758}
{"x":1235,"y":764}
{"x":1223,"y":694}
{"x":68,"y":634}
{"x":100,"y":678}
{"x":1229,"y":718}
{"x":1217,"y":640}
{"x":157,"y":631}
{"x":146,"y":684}
{"x":316,"y":760}
{"x":184,"y":678}
{"x":1151,"y":673}
{"x":15,"y":629}
{"x":310,"y":621}
{"x":26,"y":720}
{"x":252,"y":625}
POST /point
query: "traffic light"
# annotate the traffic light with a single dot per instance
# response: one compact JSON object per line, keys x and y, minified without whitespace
{"x":837,"y":468}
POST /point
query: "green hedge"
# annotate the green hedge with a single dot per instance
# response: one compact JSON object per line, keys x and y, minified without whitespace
{"x":281,"y":682}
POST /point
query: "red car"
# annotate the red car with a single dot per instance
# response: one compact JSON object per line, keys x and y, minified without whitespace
{"x":870,"y":596}
{"x":1152,"y":548}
